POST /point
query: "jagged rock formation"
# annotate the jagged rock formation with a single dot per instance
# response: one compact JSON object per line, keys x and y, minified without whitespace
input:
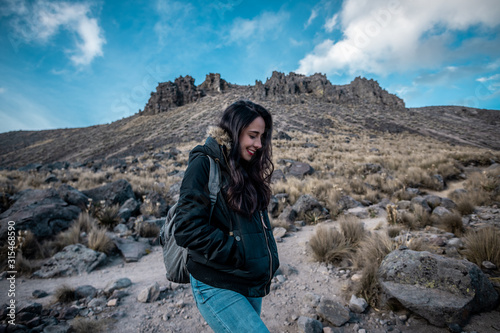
{"x":170,"y":94}
{"x":181,"y":92}
{"x":288,"y":89}
{"x":214,"y":83}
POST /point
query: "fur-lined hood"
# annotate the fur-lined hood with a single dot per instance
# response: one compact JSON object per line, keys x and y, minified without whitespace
{"x":221,"y":136}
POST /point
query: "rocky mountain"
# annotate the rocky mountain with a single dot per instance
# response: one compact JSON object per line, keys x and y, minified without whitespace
{"x":180,"y":111}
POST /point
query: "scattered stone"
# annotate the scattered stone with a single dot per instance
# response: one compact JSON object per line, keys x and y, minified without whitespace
{"x":85,"y":291}
{"x":347,"y":202}
{"x":73,"y":259}
{"x":121,"y":229}
{"x":309,"y":325}
{"x":149,"y":294}
{"x":112,"y":302}
{"x":488,"y":265}
{"x":129,"y":208}
{"x":118,"y":284}
{"x":357,"y":305}
{"x":279,"y":232}
{"x":333,"y":312}
{"x":39,"y":293}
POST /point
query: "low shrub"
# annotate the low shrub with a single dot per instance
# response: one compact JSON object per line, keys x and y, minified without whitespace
{"x":352,"y":228}
{"x":108,"y":216}
{"x":483,"y":244}
{"x":328,"y":245}
{"x":81,"y":325}
{"x":451,"y":223}
{"x":65,"y":294}
{"x":98,"y":240}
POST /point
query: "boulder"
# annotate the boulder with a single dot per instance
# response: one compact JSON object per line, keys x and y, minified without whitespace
{"x":299,"y":170}
{"x":440,"y":212}
{"x":273,"y":207}
{"x":333,"y":312}
{"x":307,"y":204}
{"x":277,"y":176}
{"x":114,"y":193}
{"x":442,"y":290}
{"x":72,"y":196}
{"x":130,"y":249}
{"x":432,"y":200}
{"x":85,"y":291}
{"x":72,"y":260}
{"x":41,"y":211}
{"x":347,"y":202}
{"x":129,"y":208}
{"x":420,"y":201}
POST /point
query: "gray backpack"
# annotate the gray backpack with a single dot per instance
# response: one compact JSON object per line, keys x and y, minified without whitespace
{"x":175,"y":256}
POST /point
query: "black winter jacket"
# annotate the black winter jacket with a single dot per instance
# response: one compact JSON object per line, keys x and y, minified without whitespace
{"x":244,"y":260}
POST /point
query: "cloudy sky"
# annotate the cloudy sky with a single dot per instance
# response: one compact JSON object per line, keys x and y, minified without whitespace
{"x":81,"y":63}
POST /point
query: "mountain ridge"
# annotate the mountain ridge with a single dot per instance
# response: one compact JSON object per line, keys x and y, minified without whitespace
{"x":180,"y":112}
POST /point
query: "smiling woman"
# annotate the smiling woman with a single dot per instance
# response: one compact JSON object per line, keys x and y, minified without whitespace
{"x":232,"y":255}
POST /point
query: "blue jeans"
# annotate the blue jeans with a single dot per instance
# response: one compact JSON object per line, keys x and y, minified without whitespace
{"x":226,"y":310}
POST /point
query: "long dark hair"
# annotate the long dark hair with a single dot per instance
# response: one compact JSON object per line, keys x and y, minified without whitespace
{"x":249,"y":188}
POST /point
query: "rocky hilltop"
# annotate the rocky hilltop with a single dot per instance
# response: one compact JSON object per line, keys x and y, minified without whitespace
{"x":289,"y":89}
{"x":180,"y":111}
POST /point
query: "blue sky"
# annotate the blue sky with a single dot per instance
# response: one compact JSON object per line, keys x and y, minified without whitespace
{"x":82,"y":63}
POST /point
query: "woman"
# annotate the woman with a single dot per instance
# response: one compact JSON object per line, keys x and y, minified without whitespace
{"x":232,"y":255}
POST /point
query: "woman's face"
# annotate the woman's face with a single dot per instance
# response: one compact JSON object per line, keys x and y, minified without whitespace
{"x":250,"y":138}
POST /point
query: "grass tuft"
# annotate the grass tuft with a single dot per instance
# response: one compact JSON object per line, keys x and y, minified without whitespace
{"x":328,"y":245}
{"x":65,"y":294}
{"x":352,"y":228}
{"x":99,"y":241}
{"x":108,"y":216}
{"x":80,"y":325}
{"x":483,"y":244}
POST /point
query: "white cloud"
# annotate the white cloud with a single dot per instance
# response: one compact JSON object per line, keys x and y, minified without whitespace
{"x":331,"y":23}
{"x":314,"y":14}
{"x":42,"y":20}
{"x":489,"y":78}
{"x":264,"y":26}
{"x":382,"y":37}
{"x":2,"y":90}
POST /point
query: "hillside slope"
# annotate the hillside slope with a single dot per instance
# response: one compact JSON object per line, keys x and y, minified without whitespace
{"x":180,"y":112}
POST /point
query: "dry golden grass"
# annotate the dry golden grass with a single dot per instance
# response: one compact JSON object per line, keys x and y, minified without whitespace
{"x":422,"y":217}
{"x":328,"y":245}
{"x":483,"y":244}
{"x":108,"y":216}
{"x":81,"y":325}
{"x":65,"y":294}
{"x":98,"y":240}
{"x":68,"y":237}
{"x":352,"y":229}
{"x":86,"y":222}
{"x":394,"y":230}
{"x":368,"y":257}
{"x":465,"y":205}
{"x":451,"y":223}
{"x":29,"y":245}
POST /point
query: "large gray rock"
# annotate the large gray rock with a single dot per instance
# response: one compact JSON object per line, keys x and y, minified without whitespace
{"x":334,"y":312}
{"x":309,"y":325}
{"x":347,"y":202}
{"x":307,"y":204}
{"x":117,"y":285}
{"x":114,"y":193}
{"x":72,"y":260}
{"x":41,"y":211}
{"x":444,"y":291}
{"x":72,"y":196}
{"x":131,"y":250}
{"x":299,"y":170}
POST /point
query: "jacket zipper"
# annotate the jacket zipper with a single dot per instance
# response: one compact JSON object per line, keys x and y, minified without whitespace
{"x":268,"y":248}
